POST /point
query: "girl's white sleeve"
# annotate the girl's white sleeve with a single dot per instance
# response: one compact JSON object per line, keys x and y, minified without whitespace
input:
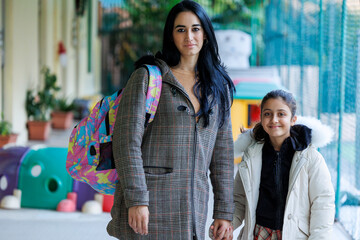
{"x":243,"y":141}
{"x":322,"y":198}
{"x":239,"y":200}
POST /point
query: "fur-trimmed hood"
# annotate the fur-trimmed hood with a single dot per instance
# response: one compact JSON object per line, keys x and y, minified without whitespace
{"x":321,"y":135}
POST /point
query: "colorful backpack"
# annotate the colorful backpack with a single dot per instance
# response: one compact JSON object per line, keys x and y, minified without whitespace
{"x":90,"y":157}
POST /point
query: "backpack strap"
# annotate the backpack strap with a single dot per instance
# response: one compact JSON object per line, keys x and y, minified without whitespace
{"x":153,"y":92}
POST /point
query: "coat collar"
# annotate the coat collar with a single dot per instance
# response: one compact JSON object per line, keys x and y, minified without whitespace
{"x":168,"y":76}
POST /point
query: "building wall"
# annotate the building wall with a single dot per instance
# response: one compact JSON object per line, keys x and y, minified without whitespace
{"x":33,"y":30}
{"x":21,"y":70}
{"x":1,"y":54}
{"x":69,"y":40}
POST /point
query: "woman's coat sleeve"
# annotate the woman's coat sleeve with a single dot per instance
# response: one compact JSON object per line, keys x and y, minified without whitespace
{"x":222,"y":172}
{"x":127,"y":139}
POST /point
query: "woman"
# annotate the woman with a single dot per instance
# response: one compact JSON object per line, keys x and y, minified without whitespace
{"x":163,"y":167}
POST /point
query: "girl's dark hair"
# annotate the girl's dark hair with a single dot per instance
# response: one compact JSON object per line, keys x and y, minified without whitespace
{"x":213,"y":81}
{"x":287,"y":97}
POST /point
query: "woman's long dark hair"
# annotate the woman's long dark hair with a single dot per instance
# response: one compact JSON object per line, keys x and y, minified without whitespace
{"x":213,"y":81}
{"x":287,"y":97}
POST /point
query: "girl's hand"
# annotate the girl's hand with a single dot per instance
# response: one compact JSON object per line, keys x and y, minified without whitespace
{"x":229,"y":232}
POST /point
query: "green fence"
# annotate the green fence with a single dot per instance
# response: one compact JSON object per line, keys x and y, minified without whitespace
{"x":315,"y":44}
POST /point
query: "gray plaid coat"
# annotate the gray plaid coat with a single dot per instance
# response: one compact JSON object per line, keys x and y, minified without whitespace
{"x":165,"y":165}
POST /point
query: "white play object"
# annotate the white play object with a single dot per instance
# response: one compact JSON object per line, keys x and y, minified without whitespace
{"x":235,"y":48}
{"x":93,"y":206}
{"x":12,"y":201}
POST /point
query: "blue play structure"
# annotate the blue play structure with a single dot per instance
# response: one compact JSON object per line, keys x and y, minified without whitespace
{"x":10,"y":162}
{"x":41,"y":176}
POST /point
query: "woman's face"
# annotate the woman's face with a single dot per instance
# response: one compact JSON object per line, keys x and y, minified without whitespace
{"x":188,"y":34}
{"x":276,"y":119}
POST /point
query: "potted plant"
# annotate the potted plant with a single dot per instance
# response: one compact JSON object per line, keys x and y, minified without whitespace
{"x":39,"y":106}
{"x":6,"y":135}
{"x":62,"y":117}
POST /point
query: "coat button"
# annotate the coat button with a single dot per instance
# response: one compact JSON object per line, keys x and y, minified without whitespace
{"x":173,"y":91}
{"x":289,"y":216}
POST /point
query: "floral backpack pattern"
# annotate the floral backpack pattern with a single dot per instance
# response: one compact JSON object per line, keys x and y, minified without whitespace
{"x":90,"y":157}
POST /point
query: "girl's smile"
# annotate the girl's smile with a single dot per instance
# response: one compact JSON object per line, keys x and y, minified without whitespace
{"x":276,"y":120}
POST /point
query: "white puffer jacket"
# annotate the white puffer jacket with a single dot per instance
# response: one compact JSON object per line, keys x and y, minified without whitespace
{"x":310,"y":209}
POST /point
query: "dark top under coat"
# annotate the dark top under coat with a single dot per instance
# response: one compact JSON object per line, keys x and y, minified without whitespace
{"x":274,"y":181}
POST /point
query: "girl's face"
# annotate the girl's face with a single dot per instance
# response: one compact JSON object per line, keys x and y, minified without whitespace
{"x":276,"y":119}
{"x":188,"y":34}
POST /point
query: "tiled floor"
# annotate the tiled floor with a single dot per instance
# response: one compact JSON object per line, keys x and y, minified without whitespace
{"x":36,"y":224}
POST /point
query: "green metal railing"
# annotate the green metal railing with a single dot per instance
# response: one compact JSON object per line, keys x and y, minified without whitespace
{"x":315,"y":45}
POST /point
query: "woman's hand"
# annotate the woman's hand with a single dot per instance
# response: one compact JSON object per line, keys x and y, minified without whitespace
{"x":221,"y":230}
{"x":139,"y":219}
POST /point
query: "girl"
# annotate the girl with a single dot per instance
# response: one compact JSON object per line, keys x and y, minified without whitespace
{"x":163,"y":187}
{"x":283,"y":188}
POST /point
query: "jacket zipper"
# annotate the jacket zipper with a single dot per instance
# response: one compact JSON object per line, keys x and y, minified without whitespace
{"x":278,"y":185}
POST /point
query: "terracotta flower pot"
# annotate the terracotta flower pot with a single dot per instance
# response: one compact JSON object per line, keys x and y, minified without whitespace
{"x":7,"y":139}
{"x":62,"y":120}
{"x":38,"y":130}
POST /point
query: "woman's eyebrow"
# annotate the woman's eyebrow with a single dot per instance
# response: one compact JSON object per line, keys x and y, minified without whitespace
{"x":182,"y":26}
{"x":179,"y":26}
